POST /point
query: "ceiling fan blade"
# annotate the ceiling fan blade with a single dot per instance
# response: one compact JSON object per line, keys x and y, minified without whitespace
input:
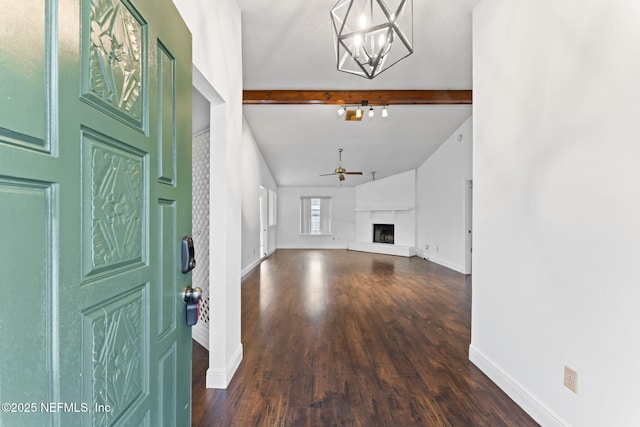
{"x":340,"y":171}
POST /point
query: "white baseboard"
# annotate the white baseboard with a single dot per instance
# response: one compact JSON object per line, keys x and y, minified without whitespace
{"x":220,"y":380}
{"x":383,"y":248}
{"x":317,"y":246}
{"x":200,"y":333}
{"x":445,"y":263}
{"x":250,"y":267}
{"x":255,"y":263}
{"x":527,"y":401}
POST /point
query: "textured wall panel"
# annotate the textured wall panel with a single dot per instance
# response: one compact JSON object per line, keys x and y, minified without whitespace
{"x":200,"y":226}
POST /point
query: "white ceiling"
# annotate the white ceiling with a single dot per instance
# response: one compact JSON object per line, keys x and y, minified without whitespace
{"x":289,"y":45}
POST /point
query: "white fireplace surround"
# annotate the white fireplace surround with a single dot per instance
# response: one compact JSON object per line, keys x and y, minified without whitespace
{"x":387,"y":201}
{"x":402,"y":217}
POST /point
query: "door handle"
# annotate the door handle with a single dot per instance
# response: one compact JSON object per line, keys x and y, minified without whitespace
{"x":188,"y":255}
{"x":192,"y":298}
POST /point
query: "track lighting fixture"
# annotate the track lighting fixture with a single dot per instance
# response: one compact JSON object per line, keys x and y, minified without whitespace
{"x":357,"y":110}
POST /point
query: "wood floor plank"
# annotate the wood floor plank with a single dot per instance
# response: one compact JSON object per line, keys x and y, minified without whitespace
{"x":342,"y":338}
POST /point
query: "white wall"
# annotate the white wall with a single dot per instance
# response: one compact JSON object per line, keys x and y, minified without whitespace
{"x":217,"y":54}
{"x":342,"y":217}
{"x":255,"y":172}
{"x":556,"y":165}
{"x":397,"y":191}
{"x":440,"y":200}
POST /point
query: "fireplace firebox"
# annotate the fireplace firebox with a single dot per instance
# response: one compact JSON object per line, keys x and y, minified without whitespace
{"x":383,"y":233}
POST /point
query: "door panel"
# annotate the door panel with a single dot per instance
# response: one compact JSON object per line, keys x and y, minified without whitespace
{"x":29,"y":206}
{"x":167,"y":279}
{"x":23,"y":73}
{"x":27,"y":256}
{"x":116,"y":363}
{"x":114,"y":60}
{"x":114,"y":200}
{"x":95,"y":197}
{"x":166,"y":115}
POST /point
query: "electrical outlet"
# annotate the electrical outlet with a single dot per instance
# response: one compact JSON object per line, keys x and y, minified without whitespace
{"x":570,"y":379}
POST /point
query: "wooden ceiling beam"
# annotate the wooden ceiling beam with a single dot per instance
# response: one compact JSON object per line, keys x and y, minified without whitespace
{"x":356,"y":97}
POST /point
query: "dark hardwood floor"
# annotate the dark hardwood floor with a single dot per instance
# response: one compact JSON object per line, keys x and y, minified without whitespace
{"x":341,"y":338}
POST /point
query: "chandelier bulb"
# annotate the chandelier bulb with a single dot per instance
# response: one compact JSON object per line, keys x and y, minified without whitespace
{"x":363,"y":22}
{"x":382,"y":40}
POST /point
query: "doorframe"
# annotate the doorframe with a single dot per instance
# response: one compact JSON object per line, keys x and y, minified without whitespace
{"x":221,"y":369}
{"x":264,"y":221}
{"x":468,"y":225}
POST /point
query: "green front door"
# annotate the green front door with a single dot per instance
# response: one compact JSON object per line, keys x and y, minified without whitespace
{"x":95,"y":197}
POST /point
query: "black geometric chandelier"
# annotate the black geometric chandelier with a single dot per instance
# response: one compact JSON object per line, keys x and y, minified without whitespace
{"x":371,"y":35}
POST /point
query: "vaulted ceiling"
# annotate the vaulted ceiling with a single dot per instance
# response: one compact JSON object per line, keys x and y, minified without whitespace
{"x":289,"y":45}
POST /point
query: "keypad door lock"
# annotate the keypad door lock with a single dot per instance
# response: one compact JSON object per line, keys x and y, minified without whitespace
{"x":192,"y":299}
{"x":188,"y":255}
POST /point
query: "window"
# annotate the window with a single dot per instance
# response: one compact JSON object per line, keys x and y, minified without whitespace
{"x":315,"y":215}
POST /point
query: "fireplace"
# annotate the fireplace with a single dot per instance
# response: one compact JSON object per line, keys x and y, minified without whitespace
{"x":383,"y":233}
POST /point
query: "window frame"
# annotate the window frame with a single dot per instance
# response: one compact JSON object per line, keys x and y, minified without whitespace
{"x":306,"y":216}
{"x":273,"y":208}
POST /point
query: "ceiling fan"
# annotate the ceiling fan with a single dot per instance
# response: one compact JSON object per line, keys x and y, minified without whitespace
{"x":340,"y":171}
